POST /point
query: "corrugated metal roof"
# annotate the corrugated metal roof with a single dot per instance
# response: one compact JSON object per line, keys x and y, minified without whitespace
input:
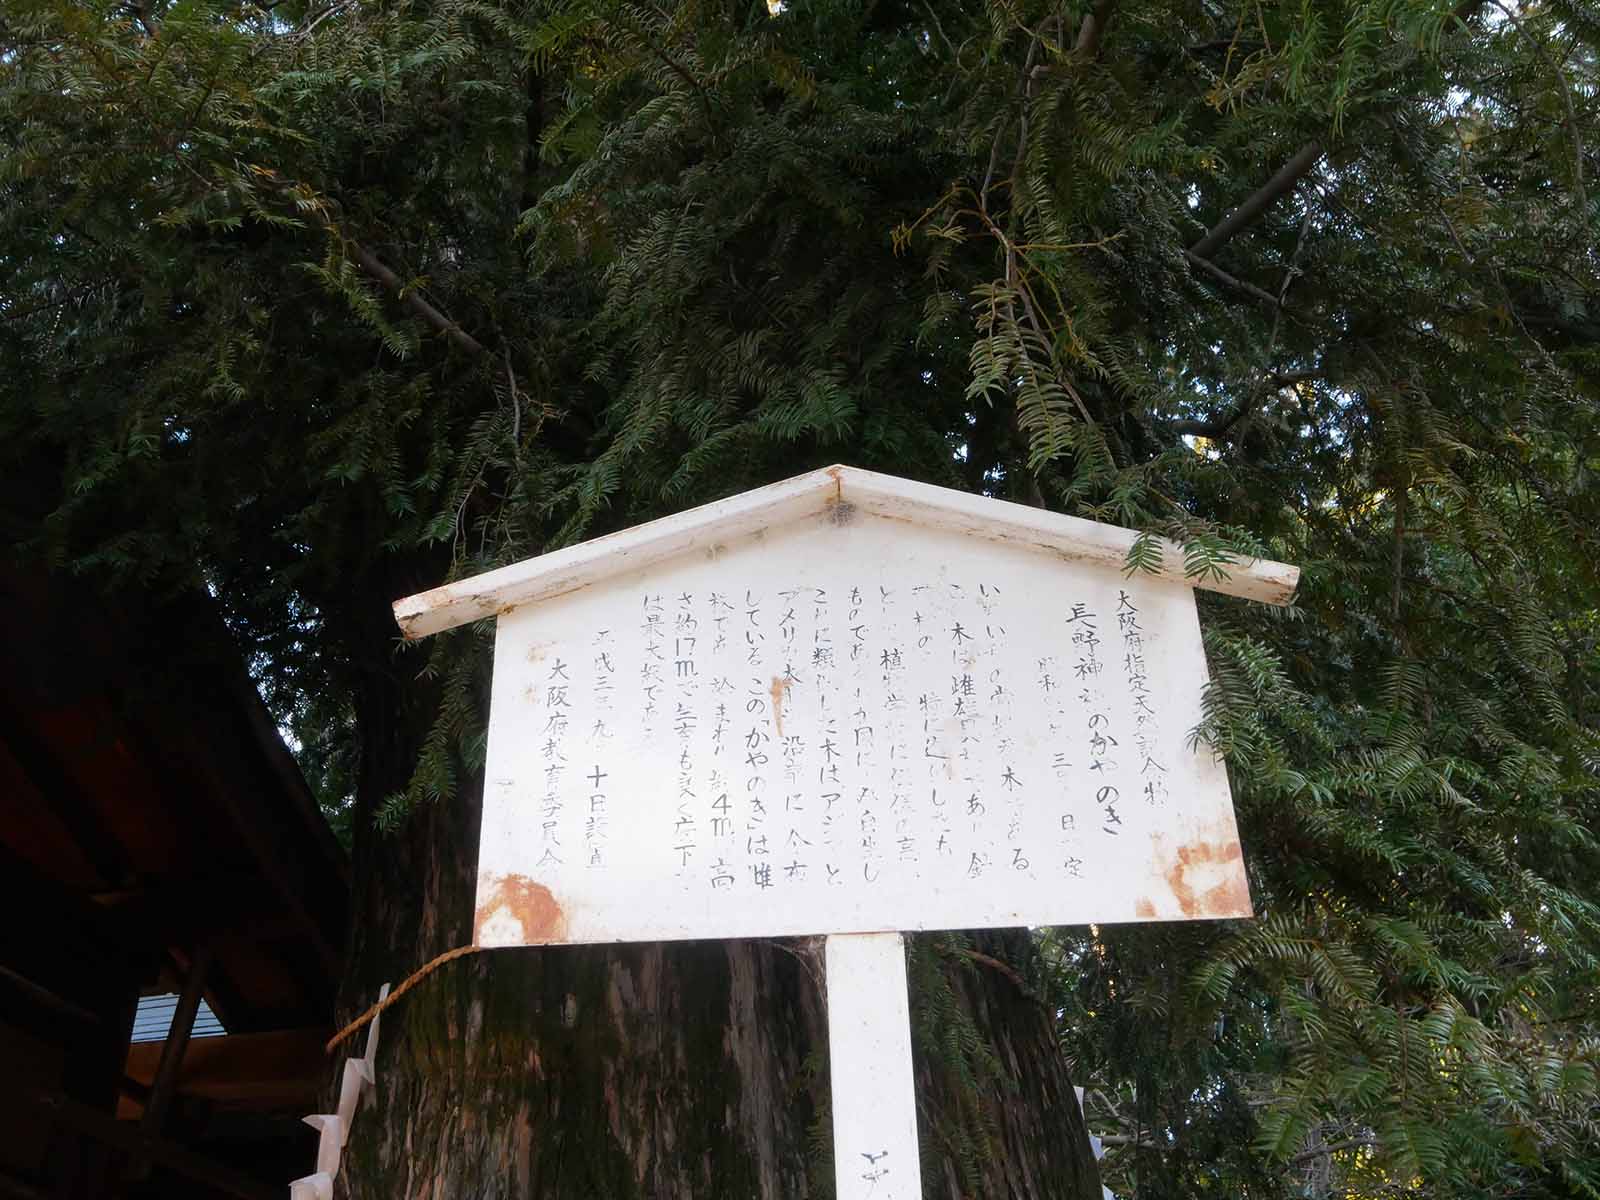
{"x":153,"y":1019}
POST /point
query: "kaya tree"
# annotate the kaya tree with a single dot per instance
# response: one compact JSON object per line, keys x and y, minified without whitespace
{"x":317,"y":305}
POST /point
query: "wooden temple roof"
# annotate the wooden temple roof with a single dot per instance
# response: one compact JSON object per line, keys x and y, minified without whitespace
{"x":150,"y":814}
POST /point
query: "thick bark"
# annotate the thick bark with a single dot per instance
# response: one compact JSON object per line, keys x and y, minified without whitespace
{"x":661,"y":1070}
{"x":1030,"y":1129}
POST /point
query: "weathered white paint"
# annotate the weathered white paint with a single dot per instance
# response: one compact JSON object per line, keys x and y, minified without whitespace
{"x":869,"y":1055}
{"x":849,"y":726}
{"x":848,"y":704}
{"x":593,"y":562}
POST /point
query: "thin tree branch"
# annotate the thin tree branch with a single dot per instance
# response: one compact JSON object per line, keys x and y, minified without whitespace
{"x":1215,"y":429}
{"x":1258,"y":201}
{"x":994,"y":159}
{"x":1129,"y":1139}
{"x":317,"y":208}
{"x":516,"y":405}
{"x":1401,"y":493}
{"x":141,"y":13}
{"x":679,"y":70}
{"x":72,"y":297}
{"x":1004,"y":968}
{"x":1316,"y":1152}
{"x":1566,"y":99}
{"x":1022,"y":150}
{"x":939,"y":25}
{"x":1235,"y":44}
{"x":1290,"y":274}
{"x":1206,"y":266}
{"x":1111,"y":1105}
{"x":1093,"y":29}
{"x":338,"y":6}
{"x":420,"y":308}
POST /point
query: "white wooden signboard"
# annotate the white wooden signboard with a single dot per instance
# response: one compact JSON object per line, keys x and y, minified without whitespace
{"x":848,"y":704}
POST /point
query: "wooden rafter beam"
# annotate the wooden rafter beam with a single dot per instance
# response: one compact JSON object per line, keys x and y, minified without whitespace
{"x":126,"y":1136}
{"x":10,"y":1185}
{"x":172,"y":1051}
{"x":62,"y":795}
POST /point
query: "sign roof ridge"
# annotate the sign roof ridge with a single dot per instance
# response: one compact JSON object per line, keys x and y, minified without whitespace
{"x":839,"y":493}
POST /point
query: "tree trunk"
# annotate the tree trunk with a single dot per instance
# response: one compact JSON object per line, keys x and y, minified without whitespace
{"x":658,"y":1070}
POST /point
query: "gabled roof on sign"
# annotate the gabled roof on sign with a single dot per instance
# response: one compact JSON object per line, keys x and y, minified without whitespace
{"x":840,"y":491}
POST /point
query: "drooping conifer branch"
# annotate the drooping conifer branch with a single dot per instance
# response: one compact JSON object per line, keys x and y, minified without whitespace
{"x":380,"y":272}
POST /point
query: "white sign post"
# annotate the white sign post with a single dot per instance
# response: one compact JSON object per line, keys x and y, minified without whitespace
{"x":848,"y":704}
{"x":869,"y":1056}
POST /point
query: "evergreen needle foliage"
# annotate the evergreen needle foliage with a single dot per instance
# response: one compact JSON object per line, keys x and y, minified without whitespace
{"x":314,"y":304}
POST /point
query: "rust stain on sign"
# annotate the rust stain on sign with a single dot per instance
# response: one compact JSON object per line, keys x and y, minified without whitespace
{"x":1208,"y":879}
{"x":777,"y":704}
{"x":519,"y":910}
{"x":1145,"y":909}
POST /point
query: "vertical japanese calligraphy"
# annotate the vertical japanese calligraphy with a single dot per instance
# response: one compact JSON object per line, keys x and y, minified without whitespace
{"x":552,"y":805}
{"x":880,"y":727}
{"x":1146,"y":725}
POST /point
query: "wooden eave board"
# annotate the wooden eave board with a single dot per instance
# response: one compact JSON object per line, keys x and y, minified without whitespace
{"x":837,"y":489}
